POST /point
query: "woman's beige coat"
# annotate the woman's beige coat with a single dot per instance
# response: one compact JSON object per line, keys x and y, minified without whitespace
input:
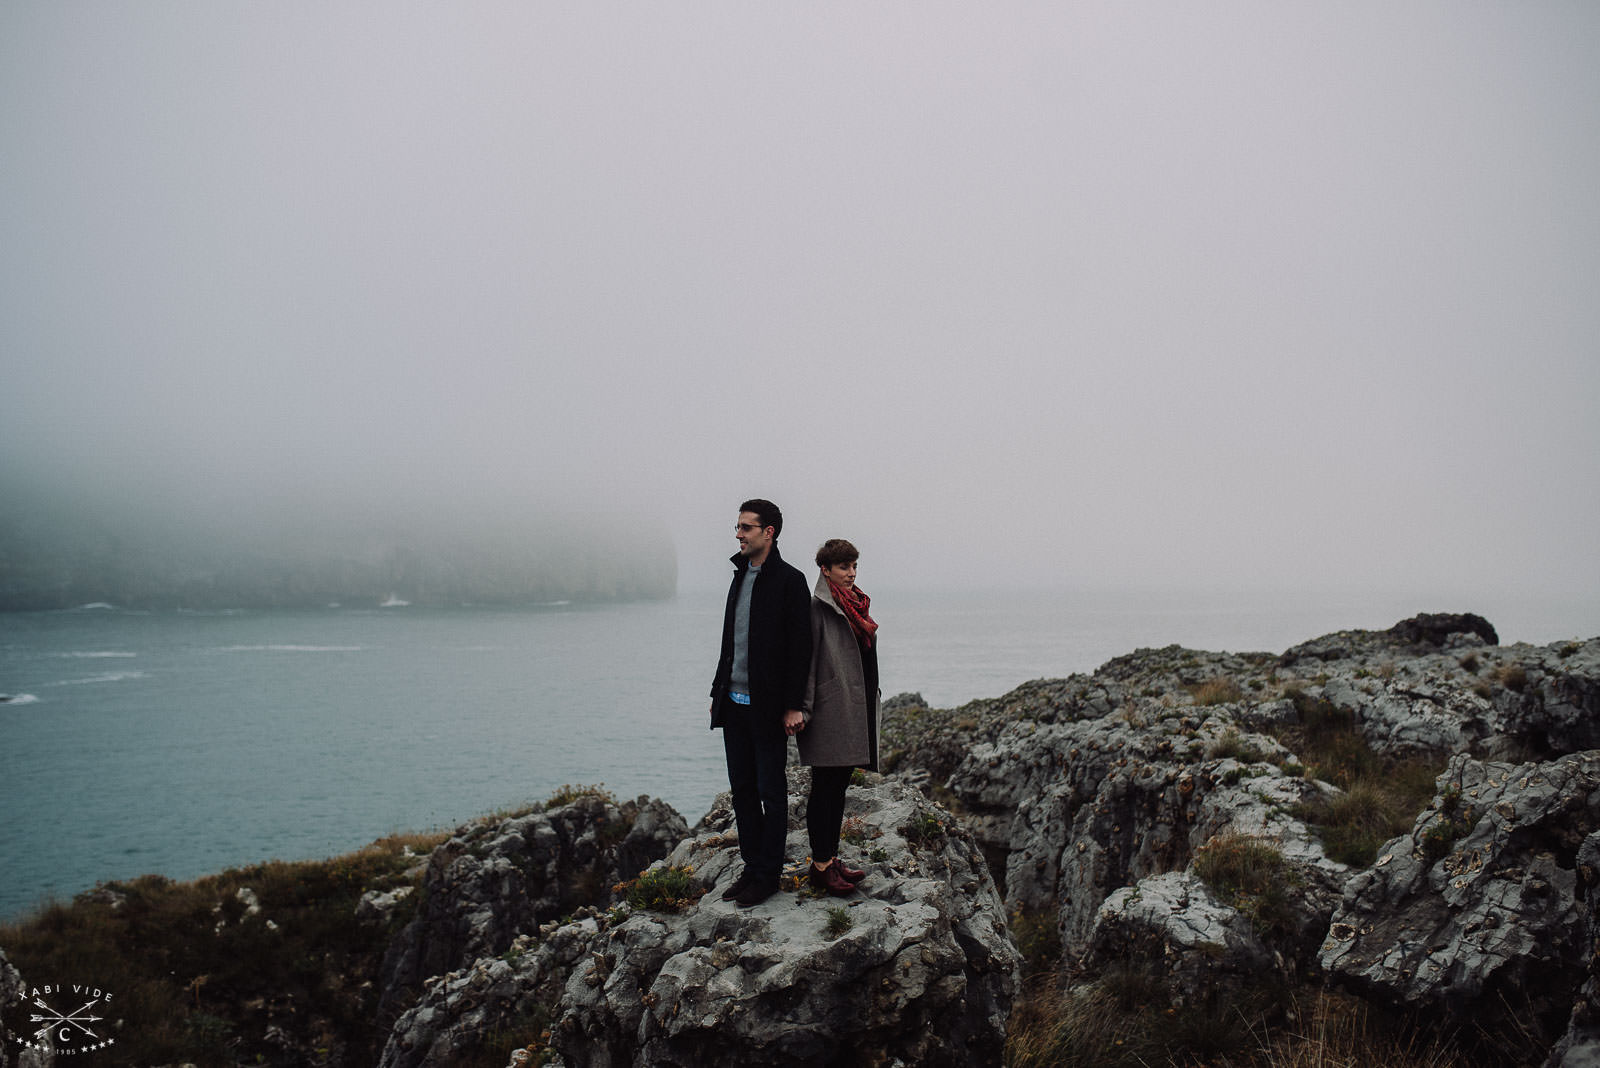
{"x":838,"y":707}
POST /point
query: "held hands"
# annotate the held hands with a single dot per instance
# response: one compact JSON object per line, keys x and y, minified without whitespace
{"x":794,"y":720}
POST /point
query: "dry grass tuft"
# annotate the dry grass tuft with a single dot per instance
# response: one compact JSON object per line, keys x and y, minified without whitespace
{"x":1218,"y":691}
{"x":1123,"y":1021}
{"x":1381,"y":797}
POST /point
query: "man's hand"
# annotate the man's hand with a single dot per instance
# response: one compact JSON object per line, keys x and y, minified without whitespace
{"x":794,"y":721}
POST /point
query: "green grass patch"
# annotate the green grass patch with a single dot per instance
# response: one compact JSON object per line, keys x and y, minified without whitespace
{"x":1232,"y":745}
{"x":1454,"y":823}
{"x":1251,"y":875}
{"x":923,"y":829}
{"x":1037,"y":934}
{"x":1440,"y":837}
{"x":566,"y":795}
{"x":662,"y":889}
{"x":1355,"y":824}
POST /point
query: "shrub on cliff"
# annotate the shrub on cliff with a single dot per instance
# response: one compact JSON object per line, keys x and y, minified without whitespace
{"x":661,"y":889}
{"x":263,"y":963}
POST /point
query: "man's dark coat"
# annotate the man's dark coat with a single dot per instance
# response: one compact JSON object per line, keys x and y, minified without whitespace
{"x":780,"y":638}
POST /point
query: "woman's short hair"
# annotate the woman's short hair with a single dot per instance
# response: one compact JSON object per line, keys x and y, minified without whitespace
{"x":836,"y":551}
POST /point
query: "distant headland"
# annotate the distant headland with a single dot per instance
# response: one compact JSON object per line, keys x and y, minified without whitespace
{"x":57,"y":552}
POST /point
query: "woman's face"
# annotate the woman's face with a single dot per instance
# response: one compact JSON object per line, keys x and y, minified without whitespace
{"x":842,"y":575}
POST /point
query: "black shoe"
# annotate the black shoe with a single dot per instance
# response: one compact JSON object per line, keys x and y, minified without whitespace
{"x":732,"y":893}
{"x":757,"y":891}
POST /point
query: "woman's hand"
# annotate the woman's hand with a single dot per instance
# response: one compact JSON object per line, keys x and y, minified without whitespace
{"x":794,"y":721}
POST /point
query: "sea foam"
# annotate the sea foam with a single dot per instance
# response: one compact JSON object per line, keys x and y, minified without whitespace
{"x":108,"y":676}
{"x":290,"y":649}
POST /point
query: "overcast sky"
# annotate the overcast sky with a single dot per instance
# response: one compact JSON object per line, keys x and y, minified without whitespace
{"x":1286,"y":295}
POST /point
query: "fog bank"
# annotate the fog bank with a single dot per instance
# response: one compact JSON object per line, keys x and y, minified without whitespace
{"x":1233,"y":295}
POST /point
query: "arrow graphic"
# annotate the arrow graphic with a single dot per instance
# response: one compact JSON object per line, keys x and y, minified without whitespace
{"x":77,"y":1018}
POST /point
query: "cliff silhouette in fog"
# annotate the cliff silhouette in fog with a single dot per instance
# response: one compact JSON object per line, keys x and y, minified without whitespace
{"x":58,"y":551}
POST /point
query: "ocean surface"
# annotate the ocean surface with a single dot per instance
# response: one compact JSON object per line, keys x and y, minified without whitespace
{"x":185,"y":743}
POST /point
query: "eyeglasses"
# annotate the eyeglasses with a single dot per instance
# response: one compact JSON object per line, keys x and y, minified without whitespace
{"x":747,"y":528}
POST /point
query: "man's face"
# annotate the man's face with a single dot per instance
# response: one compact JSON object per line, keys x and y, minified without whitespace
{"x":754,"y":539}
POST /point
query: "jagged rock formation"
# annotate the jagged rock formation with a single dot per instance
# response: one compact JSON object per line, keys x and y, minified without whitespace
{"x":915,"y":968}
{"x":1096,"y":797}
{"x":1201,"y":946}
{"x":493,"y":881}
{"x":1580,"y":1046}
{"x":1111,"y":803}
{"x":1477,"y":909}
{"x":1171,"y":814}
{"x":1441,"y":629}
{"x":13,"y":994}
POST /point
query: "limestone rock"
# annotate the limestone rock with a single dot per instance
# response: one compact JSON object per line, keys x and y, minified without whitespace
{"x":919,"y":968}
{"x":1407,"y":715}
{"x":460,"y":1010}
{"x":13,"y":996}
{"x":1580,"y":1046}
{"x":1438,"y":628}
{"x":1493,"y":702}
{"x":1201,"y":948}
{"x":1082,"y":808}
{"x":493,"y":881}
{"x":1475,"y":912}
{"x":1421,"y":634}
{"x":1092,"y":795}
{"x":376,"y":906}
{"x":1550,"y":695}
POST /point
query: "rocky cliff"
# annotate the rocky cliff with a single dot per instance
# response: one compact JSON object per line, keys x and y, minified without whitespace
{"x":1234,"y":823}
{"x":1156,"y":863}
{"x":916,"y":968}
{"x":1409,"y":815}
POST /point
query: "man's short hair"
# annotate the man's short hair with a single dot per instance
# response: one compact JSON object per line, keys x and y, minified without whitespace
{"x":836,"y":551}
{"x":767,"y":514}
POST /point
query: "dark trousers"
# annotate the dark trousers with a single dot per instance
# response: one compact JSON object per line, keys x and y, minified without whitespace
{"x":825,"y":810}
{"x":757,"y":751}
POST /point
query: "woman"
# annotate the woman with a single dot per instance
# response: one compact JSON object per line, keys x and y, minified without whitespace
{"x":841,"y":731}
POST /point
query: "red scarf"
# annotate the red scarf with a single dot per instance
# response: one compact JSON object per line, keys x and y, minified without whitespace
{"x":855,"y":603}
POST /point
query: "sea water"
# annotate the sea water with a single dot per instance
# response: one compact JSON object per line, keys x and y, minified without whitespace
{"x":184,"y":743}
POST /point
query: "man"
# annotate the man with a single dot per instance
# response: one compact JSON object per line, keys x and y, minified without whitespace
{"x":759,"y":693}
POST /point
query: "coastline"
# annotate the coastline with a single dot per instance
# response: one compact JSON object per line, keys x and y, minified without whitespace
{"x":1169,"y":738}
